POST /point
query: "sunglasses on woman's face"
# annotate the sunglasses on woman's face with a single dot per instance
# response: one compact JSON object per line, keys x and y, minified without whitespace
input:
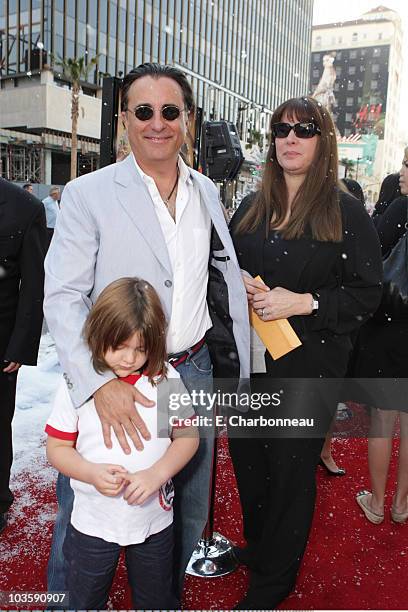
{"x":301,"y":130}
{"x":169,"y":112}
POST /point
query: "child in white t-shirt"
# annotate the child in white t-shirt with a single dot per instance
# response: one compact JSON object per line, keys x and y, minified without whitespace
{"x":119,"y":499}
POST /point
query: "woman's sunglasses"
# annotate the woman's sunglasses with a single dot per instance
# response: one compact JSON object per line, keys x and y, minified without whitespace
{"x":301,"y":130}
{"x":169,"y":112}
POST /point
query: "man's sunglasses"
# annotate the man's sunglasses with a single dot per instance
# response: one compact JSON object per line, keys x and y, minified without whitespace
{"x":301,"y":130}
{"x":169,"y":112}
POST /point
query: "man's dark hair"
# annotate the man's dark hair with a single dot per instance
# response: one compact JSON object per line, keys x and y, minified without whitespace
{"x":27,"y":185}
{"x":156,"y":71}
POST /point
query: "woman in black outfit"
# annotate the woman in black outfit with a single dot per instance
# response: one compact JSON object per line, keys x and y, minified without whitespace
{"x":382,"y":352}
{"x":319,"y":256}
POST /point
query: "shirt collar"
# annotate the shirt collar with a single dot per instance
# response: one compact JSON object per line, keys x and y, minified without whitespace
{"x":185,"y":176}
{"x":131,"y":379}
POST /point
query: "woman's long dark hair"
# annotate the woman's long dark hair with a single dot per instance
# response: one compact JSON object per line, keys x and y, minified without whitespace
{"x":316,"y":204}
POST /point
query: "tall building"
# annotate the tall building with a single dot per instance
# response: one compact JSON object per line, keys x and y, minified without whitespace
{"x":243,"y":58}
{"x":367,"y":56}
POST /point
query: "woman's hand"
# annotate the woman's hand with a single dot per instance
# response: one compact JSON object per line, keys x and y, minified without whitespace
{"x":280,"y":303}
{"x":253,"y":287}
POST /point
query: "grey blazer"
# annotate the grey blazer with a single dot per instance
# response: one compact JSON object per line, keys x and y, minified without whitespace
{"x":107,"y":229}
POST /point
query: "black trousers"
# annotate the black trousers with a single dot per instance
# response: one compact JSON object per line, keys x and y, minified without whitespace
{"x":277,"y":488}
{"x":7,"y":405}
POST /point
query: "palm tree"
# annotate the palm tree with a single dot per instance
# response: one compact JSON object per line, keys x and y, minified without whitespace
{"x":75,"y":69}
{"x":348,"y":165}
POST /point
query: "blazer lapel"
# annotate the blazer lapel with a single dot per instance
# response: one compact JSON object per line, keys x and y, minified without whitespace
{"x":134,"y":197}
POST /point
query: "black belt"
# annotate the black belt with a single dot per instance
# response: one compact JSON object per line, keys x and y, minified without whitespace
{"x":176,"y":358}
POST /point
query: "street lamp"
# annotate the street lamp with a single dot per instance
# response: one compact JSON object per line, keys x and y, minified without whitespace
{"x":359,"y":159}
{"x":241,"y":109}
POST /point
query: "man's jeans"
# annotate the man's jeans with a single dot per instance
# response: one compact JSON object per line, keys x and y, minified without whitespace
{"x":191,"y":489}
{"x":92,"y":565}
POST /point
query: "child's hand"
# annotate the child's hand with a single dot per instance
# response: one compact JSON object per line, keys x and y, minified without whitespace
{"x":141,"y":485}
{"x":108,"y":479}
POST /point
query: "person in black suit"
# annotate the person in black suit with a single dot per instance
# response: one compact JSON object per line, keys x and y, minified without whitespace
{"x":354,"y":188}
{"x":319,"y":256}
{"x":23,"y":239}
{"x":392,"y":188}
{"x":389,"y":191}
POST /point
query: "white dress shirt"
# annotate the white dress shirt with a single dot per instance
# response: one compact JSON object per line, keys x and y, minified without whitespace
{"x":188,"y":244}
{"x":51,"y":211}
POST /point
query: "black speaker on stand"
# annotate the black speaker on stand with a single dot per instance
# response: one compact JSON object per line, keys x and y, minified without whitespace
{"x":221,"y":160}
{"x":221,"y":152}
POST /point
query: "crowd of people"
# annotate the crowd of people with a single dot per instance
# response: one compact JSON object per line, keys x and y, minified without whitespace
{"x":147,"y":292}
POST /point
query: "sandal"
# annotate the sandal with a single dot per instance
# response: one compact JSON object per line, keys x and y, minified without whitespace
{"x":398,"y":517}
{"x":362,"y":498}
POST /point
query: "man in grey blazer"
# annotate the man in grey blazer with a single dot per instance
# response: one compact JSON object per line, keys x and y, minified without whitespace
{"x":153,"y":217}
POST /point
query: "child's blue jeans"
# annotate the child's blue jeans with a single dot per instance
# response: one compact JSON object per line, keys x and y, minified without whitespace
{"x":91,"y":562}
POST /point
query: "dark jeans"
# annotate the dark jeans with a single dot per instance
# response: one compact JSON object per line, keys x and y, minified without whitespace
{"x":7,"y":405}
{"x":91,"y":564}
{"x":191,"y":488}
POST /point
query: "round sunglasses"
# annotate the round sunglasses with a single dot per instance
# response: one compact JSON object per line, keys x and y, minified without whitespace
{"x":303,"y":129}
{"x":169,"y":112}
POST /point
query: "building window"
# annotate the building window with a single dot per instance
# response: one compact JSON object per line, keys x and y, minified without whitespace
{"x":318,"y":41}
{"x":336,"y":87}
{"x":352,"y":70}
{"x":338,"y":54}
{"x":380,"y":35}
{"x":375,"y":68}
{"x":338,"y":71}
{"x":316,"y":57}
{"x":362,"y":68}
{"x":349,"y":117}
{"x":316,"y":73}
{"x":353,"y":54}
{"x":354,"y":37}
{"x":350,"y":86}
{"x":349,"y":101}
{"x":376,"y":52}
{"x":374,"y":84}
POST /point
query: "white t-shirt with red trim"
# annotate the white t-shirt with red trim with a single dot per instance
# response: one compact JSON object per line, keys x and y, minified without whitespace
{"x":112,"y":518}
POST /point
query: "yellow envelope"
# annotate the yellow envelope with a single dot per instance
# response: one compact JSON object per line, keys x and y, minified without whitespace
{"x":278,"y":336}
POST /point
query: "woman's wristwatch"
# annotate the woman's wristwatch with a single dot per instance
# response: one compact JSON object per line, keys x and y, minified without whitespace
{"x":315,"y":303}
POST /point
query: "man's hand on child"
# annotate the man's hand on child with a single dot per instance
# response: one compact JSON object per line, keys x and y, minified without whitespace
{"x":115,"y":405}
{"x":141,"y":485}
{"x":108,"y":479}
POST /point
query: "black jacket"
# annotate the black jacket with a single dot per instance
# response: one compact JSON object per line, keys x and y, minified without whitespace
{"x":23,"y":242}
{"x":347,"y":276}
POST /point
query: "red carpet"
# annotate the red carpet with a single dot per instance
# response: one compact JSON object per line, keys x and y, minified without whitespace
{"x":349,"y":563}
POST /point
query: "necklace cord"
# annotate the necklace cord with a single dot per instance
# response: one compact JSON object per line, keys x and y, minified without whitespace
{"x":166,"y":201}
